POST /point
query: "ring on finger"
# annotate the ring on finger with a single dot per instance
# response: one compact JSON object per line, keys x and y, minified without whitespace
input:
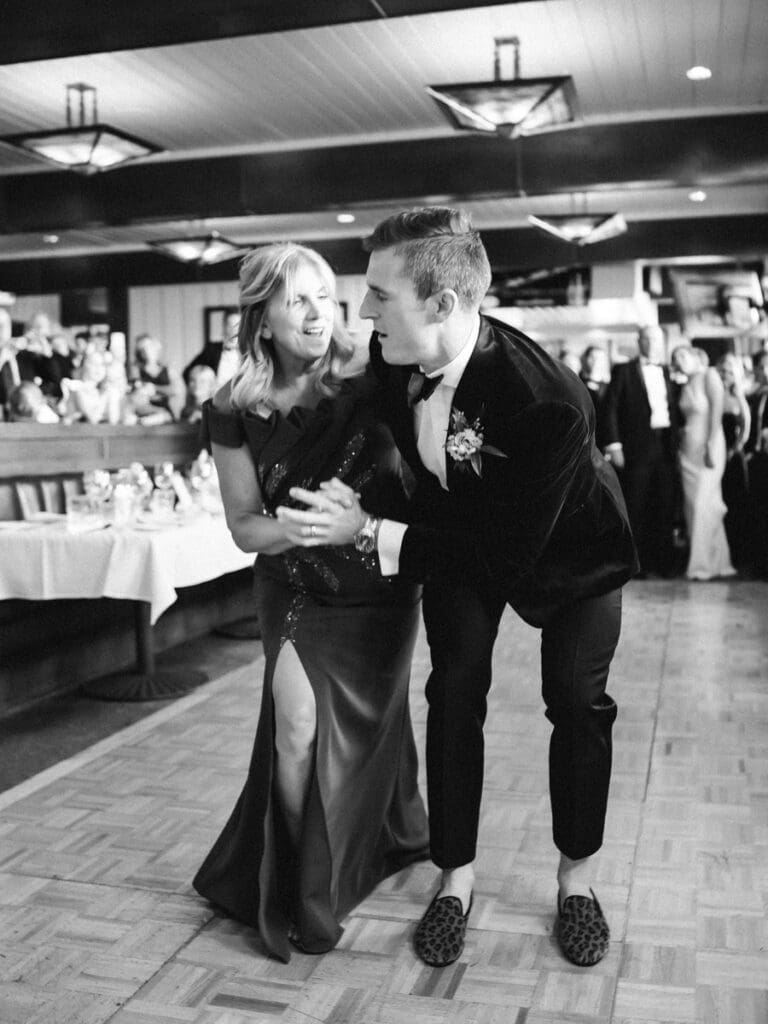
{"x":312,"y":530}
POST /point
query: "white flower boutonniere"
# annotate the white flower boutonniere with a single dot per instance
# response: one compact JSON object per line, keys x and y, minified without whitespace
{"x":465,"y":443}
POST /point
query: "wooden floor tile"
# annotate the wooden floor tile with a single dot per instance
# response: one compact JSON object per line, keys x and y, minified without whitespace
{"x":99,"y":923}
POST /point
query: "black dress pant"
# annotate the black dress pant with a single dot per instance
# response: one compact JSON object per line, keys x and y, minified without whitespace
{"x":651,"y":490}
{"x":577,"y":645}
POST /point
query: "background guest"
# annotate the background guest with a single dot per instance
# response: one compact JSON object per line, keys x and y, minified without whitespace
{"x":99,"y":392}
{"x":27,"y":404}
{"x":640,"y":435}
{"x":570,"y":359}
{"x":200,"y":387}
{"x":757,"y":450}
{"x":702,"y":463}
{"x":736,"y":423}
{"x":596,"y":373}
{"x":154,"y":386}
{"x":9,"y":368}
{"x":222,"y":356}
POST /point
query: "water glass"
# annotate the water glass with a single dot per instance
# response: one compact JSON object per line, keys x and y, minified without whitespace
{"x":84,"y":512}
{"x":162,"y":502}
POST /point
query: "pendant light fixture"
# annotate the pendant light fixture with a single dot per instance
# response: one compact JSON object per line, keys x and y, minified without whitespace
{"x":508,"y":107}
{"x":85,"y":145}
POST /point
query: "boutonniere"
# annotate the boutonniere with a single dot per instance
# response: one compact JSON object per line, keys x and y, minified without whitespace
{"x":465,"y":443}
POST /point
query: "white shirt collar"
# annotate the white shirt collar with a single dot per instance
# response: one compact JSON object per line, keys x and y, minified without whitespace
{"x":452,"y":371}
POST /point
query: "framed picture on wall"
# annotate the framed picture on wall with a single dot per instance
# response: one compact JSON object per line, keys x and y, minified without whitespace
{"x":218,"y":322}
{"x":716,"y":303}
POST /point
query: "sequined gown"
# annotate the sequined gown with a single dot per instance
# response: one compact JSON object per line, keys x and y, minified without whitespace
{"x":354,"y":632}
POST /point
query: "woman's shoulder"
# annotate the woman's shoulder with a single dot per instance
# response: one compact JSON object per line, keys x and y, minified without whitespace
{"x":221,"y":422}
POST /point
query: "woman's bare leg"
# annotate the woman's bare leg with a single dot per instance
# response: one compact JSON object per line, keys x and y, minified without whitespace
{"x":295,"y":731}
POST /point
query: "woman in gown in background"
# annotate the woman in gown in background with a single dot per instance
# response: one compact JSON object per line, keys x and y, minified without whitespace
{"x":736,"y":427}
{"x":330,"y":806}
{"x":702,"y":463}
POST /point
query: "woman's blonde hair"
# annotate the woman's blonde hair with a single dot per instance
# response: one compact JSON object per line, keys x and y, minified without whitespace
{"x":263,"y":273}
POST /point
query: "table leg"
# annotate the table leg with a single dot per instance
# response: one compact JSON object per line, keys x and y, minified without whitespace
{"x":146,"y":682}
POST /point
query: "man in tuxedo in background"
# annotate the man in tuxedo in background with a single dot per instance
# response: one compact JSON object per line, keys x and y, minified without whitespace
{"x":223,"y":356}
{"x":513,"y":504}
{"x":640,"y":440}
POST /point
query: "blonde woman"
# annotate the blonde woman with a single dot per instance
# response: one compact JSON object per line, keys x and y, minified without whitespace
{"x":330,"y":806}
{"x":702,"y":463}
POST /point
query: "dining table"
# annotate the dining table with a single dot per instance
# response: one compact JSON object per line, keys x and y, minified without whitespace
{"x":45,"y":558}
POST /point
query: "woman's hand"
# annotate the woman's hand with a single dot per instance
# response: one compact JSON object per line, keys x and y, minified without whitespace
{"x":333,"y":515}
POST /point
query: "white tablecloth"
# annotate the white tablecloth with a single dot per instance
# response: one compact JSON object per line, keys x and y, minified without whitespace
{"x":45,"y":561}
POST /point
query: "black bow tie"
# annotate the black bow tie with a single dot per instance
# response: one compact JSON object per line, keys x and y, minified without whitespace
{"x":420,"y":387}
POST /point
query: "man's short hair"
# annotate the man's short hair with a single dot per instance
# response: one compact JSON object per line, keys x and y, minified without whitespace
{"x":440,"y":249}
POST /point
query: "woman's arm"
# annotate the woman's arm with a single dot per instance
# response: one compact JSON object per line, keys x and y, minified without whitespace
{"x":251,"y":528}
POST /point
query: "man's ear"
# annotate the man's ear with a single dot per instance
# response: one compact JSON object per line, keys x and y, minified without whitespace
{"x":444,"y":303}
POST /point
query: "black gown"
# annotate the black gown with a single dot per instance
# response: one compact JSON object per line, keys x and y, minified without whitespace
{"x":354,"y":632}
{"x":735,"y":487}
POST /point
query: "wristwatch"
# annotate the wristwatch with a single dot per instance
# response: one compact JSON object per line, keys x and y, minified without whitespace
{"x":365,"y":538}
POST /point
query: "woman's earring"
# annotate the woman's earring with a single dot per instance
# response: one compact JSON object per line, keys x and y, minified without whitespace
{"x":266,"y":332}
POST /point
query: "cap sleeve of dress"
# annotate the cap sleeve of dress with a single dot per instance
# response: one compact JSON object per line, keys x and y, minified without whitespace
{"x":223,"y":428}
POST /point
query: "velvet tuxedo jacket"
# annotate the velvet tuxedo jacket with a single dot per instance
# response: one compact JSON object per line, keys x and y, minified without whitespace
{"x":627,"y":411}
{"x":545,"y":523}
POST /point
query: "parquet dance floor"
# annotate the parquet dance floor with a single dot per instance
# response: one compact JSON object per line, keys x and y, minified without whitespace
{"x":98,"y":921}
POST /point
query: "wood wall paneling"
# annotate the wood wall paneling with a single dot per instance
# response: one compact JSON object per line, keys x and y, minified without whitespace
{"x":40,"y":450}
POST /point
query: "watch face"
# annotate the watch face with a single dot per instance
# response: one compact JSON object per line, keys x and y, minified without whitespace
{"x":364,"y":543}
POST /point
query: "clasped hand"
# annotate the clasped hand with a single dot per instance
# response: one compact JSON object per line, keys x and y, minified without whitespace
{"x":333,"y":515}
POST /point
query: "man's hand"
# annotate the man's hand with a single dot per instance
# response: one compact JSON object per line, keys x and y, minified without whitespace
{"x":333,"y":515}
{"x":615,"y":456}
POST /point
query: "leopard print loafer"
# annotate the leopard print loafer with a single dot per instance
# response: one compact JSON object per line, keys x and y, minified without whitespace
{"x":582,"y":930}
{"x":439,"y":937}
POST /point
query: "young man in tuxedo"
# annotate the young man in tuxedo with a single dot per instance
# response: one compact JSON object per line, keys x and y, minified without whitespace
{"x":640,"y":440}
{"x":512,"y":505}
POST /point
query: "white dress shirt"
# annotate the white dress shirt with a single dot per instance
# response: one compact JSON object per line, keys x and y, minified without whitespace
{"x":431,"y":420}
{"x":656,"y":386}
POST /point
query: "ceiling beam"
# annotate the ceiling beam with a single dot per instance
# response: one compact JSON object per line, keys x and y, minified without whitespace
{"x":510,"y":250}
{"x":41,"y":30}
{"x":690,"y":152}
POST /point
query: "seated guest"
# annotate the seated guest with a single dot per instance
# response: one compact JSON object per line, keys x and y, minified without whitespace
{"x":80,"y":345}
{"x":62,"y":353}
{"x":200,"y":387}
{"x":154,"y":389}
{"x":99,"y":393}
{"x":33,"y":349}
{"x":9,"y":367}
{"x":222,"y":356}
{"x":55,"y":364}
{"x":27,"y":404}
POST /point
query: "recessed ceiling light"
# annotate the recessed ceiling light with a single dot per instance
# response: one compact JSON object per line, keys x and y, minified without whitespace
{"x":51,"y":239}
{"x":698,"y":73}
{"x":697,"y":196}
{"x":345,"y":218}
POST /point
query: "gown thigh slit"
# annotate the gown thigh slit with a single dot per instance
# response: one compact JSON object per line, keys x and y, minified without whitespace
{"x":354,"y":634}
